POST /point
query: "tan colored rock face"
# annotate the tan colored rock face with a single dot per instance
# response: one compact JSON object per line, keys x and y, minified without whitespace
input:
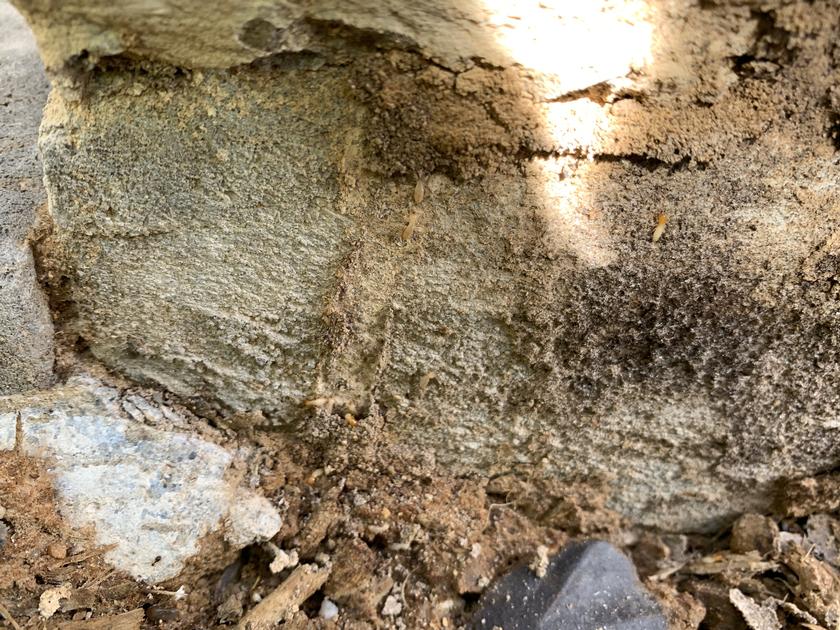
{"x":255,"y":236}
{"x":187,"y":34}
{"x":263,"y":196}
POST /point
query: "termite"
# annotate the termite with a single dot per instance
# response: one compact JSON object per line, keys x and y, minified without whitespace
{"x":661,"y":222}
{"x":325,"y":403}
{"x":425,"y":380}
{"x":419,"y":192}
{"x":408,"y":230}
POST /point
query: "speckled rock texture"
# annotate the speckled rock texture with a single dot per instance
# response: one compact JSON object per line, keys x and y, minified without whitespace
{"x":587,"y":585}
{"x":149,"y":484}
{"x":26,"y":334}
{"x":237,"y":218}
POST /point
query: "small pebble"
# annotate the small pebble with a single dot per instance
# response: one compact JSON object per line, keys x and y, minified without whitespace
{"x":328,"y":610}
{"x":392,"y":607}
{"x":754,"y":532}
{"x":57,"y":550}
{"x":539,"y":565}
{"x":159,"y":613}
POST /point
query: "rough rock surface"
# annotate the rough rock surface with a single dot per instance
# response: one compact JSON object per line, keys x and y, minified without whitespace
{"x":587,"y":585}
{"x":239,"y":220}
{"x":26,"y":343}
{"x":153,"y":494}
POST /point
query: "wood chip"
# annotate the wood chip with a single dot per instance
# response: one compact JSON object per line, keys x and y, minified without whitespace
{"x":86,"y":555}
{"x":131,"y":620}
{"x":749,"y":563}
{"x":283,"y":602}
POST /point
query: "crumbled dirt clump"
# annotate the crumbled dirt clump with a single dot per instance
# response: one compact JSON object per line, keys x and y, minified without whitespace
{"x":778,"y":571}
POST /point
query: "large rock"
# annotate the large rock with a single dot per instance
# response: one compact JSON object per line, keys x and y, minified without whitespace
{"x":237,"y":219}
{"x":587,"y":585}
{"x":26,"y":344}
{"x":131,"y":470}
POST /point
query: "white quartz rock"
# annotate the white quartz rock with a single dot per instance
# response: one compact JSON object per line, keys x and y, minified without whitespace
{"x":153,"y":493}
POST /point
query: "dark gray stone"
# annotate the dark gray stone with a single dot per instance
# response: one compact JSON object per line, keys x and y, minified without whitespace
{"x":587,"y":586}
{"x":26,"y":332}
{"x":4,"y":534}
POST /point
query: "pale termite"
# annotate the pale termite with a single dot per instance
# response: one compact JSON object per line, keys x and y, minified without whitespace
{"x":661,"y":222}
{"x":408,"y":230}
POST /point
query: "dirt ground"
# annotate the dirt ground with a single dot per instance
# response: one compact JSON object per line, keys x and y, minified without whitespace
{"x":395,"y":543}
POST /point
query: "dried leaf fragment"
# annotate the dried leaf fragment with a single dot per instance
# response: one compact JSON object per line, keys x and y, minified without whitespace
{"x":130,"y":620}
{"x":50,"y":600}
{"x":757,"y":616}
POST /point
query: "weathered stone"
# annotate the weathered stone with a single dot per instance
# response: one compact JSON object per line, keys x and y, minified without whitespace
{"x":153,"y":493}
{"x":587,"y":585}
{"x":238,"y":33}
{"x":250,"y":235}
{"x":754,"y":532}
{"x":26,"y":346}
{"x":824,"y":538}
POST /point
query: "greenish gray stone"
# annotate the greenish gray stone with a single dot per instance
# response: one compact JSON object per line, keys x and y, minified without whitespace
{"x":26,"y":346}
